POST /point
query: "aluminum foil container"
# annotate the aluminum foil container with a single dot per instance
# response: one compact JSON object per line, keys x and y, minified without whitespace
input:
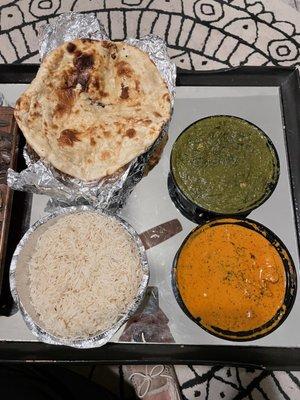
{"x":19,"y":281}
{"x":111,"y":192}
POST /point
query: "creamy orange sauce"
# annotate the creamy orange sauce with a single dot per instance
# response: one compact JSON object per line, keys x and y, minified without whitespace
{"x":231,"y":277}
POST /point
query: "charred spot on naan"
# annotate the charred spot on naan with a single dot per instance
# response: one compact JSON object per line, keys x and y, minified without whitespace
{"x":69,"y":78}
{"x":80,"y":72}
{"x":36,"y":104}
{"x":83,"y":80}
{"x":130,"y":133}
{"x":33,"y":116}
{"x":95,"y":83}
{"x":96,"y":103}
{"x":23,"y":103}
{"x":71,"y":47}
{"x":65,"y":102}
{"x":102,"y":93}
{"x":105,"y":155}
{"x":124,"y":69}
{"x":137,"y":85}
{"x":99,"y":132}
{"x":157,"y":114}
{"x":124,"y":92}
{"x":68,"y":137}
{"x":112,"y":48}
{"x":109,"y":45}
{"x":106,"y":133}
{"x":83,"y":61}
{"x":96,"y":88}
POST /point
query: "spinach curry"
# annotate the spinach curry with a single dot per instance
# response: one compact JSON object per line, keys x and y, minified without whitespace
{"x":224,"y":164}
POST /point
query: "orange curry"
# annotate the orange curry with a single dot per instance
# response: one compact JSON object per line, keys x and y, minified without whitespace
{"x":231,"y":277}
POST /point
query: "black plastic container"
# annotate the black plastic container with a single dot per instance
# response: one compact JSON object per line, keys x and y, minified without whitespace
{"x":290,"y":288}
{"x":196,"y":212}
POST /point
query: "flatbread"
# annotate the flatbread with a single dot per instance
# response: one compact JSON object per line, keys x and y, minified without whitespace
{"x":93,"y":107}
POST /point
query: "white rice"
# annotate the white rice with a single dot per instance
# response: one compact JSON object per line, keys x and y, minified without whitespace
{"x":84,"y":273}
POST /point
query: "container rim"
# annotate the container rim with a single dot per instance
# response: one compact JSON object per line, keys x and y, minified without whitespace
{"x":100,"y":338}
{"x":290,"y":287}
{"x":263,"y":199}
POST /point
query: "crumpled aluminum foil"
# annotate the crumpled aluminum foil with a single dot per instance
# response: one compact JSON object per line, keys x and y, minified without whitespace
{"x":67,"y":27}
{"x":20,"y":289}
{"x":111,"y":192}
{"x":3,"y":101}
{"x":149,"y":324}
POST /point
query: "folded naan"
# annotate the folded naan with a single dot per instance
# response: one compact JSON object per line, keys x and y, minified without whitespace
{"x":93,"y":107}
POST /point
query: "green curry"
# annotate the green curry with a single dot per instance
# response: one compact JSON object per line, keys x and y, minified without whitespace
{"x":224,"y":164}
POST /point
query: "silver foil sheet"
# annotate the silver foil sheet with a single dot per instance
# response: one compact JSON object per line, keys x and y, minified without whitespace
{"x":20,"y":285}
{"x":111,"y":192}
{"x":3,"y":101}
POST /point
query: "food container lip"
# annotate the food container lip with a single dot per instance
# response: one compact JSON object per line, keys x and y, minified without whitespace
{"x":263,"y":199}
{"x":99,"y":338}
{"x":290,"y":287}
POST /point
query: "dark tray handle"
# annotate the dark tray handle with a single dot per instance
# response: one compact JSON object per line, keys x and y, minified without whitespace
{"x":160,"y":233}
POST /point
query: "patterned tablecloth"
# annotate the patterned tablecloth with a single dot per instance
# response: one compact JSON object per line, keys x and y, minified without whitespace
{"x":201,"y":34}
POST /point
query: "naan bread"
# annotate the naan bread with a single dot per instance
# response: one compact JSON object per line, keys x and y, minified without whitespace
{"x":93,"y":107}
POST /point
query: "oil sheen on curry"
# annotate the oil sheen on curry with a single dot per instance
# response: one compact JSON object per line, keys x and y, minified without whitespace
{"x":230,"y":277}
{"x":224,"y":164}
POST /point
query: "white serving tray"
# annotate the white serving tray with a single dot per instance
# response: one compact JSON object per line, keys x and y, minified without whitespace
{"x":150,"y":205}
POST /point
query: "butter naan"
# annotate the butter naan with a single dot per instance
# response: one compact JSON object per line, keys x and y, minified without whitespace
{"x":93,"y":107}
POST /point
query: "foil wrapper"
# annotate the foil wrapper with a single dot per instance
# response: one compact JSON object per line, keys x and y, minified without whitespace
{"x":3,"y":101}
{"x":19,"y":281}
{"x":69,"y":26}
{"x":111,"y":192}
{"x":149,"y":324}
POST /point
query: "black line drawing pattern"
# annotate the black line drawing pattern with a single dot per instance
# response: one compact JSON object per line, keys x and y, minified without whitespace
{"x":231,"y":383}
{"x":201,"y":34}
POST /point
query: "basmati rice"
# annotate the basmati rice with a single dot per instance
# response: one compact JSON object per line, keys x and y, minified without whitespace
{"x":84,"y":273}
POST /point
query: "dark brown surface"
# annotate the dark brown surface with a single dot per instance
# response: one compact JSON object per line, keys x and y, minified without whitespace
{"x":9,"y":140}
{"x":158,"y":234}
